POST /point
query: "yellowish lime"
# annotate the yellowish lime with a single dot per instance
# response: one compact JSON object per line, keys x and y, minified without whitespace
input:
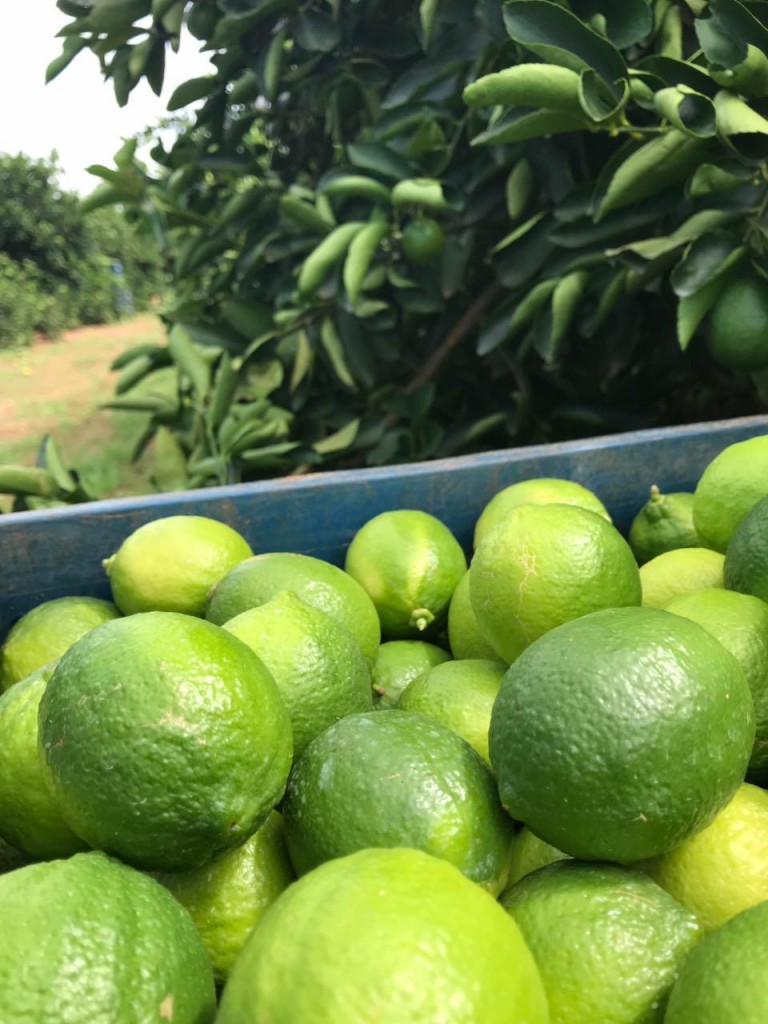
{"x":172,"y":564}
{"x":680,"y":572}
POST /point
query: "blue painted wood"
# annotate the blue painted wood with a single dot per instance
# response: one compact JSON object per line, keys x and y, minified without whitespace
{"x":52,"y":553}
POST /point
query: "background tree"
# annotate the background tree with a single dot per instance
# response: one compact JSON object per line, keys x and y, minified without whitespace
{"x":55,"y":262}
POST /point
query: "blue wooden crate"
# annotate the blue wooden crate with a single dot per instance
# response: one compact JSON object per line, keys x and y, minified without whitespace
{"x":57,"y":552}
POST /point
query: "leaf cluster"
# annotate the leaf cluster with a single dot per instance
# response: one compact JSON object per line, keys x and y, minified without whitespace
{"x":592,"y":171}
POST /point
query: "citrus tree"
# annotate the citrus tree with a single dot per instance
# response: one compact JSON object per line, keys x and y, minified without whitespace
{"x":407,"y":230}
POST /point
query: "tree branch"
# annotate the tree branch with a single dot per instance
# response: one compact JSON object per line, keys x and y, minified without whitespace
{"x":464,"y":325}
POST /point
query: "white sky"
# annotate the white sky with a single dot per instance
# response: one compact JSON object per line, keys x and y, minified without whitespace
{"x":77,"y":114}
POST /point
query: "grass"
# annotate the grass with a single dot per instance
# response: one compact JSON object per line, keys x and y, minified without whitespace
{"x":59,"y":388}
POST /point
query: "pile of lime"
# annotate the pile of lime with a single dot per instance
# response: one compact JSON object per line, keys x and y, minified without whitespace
{"x":519,"y":782}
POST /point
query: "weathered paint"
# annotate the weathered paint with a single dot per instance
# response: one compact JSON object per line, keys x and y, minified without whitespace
{"x":52,"y":553}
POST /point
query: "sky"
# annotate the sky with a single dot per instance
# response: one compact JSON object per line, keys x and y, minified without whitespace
{"x":77,"y":114}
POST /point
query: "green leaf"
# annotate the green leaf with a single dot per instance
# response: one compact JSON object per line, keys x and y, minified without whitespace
{"x":50,"y":459}
{"x":656,"y":165}
{"x":672,"y":73}
{"x":332,"y":345}
{"x":326,"y":255}
{"x":303,"y":214}
{"x":317,"y":32}
{"x":427,"y":12}
{"x":627,"y":21}
{"x":339,"y":440}
{"x":565,"y":299}
{"x":135,"y":352}
{"x":724,"y":35}
{"x":169,"y":464}
{"x":709,"y":178}
{"x":693,"y":227}
{"x":102,"y":195}
{"x":749,"y":78}
{"x":527,"y":85}
{"x":188,"y":359}
{"x":69,"y":51}
{"x":354,"y":186}
{"x":609,"y":298}
{"x":273,"y":62}
{"x":702,"y":261}
{"x":112,"y":16}
{"x":380,"y":160}
{"x":522,"y":124}
{"x":268,"y":454}
{"x":161,"y":7}
{"x":689,"y":111}
{"x":559,"y":37}
{"x":359,"y":256}
{"x":191,"y":91}
{"x":419,"y":78}
{"x":526,"y":256}
{"x":248,"y":317}
{"x":74,"y":8}
{"x":691,"y":309}
{"x":24,"y":480}
{"x":303,"y":361}
{"x":597,"y":101}
{"x":223,"y":393}
{"x":741,"y":126}
{"x":137,"y":370}
{"x":154,"y":70}
{"x":425,"y":192}
{"x":519,"y":188}
{"x":520,"y":231}
{"x":671,"y":34}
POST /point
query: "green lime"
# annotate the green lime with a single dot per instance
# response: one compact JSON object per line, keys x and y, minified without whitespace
{"x":724,"y":980}
{"x":317,"y":664}
{"x":746,"y":560}
{"x":171,"y":564}
{"x":539,"y":491}
{"x":733,"y":482}
{"x":664,"y":523}
{"x":676,"y":573}
{"x":740,"y":623}
{"x":530,"y":853}
{"x":607,"y":940}
{"x":464,"y":634}
{"x":182,"y":726}
{"x":409,"y":563}
{"x":423,"y":240}
{"x":460,"y":694}
{"x":396,"y":778}
{"x":737,"y":326}
{"x":545,"y":565}
{"x":320,"y":584}
{"x":723,"y":869}
{"x":397,"y":664}
{"x":46,"y":632}
{"x":388,"y":936}
{"x":30,"y":819}
{"x":617,"y":735}
{"x":89,"y":939}
{"x":227,"y":898}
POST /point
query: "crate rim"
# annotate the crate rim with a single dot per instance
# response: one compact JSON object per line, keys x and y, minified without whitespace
{"x":329,"y":478}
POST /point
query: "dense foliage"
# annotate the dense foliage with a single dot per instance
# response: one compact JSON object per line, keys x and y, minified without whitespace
{"x":55,"y":261}
{"x":374,"y":265}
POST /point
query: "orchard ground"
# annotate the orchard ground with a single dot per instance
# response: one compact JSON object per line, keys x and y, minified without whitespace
{"x":59,"y":386}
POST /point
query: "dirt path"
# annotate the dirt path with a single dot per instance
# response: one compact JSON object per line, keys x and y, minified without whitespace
{"x":52,"y":383}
